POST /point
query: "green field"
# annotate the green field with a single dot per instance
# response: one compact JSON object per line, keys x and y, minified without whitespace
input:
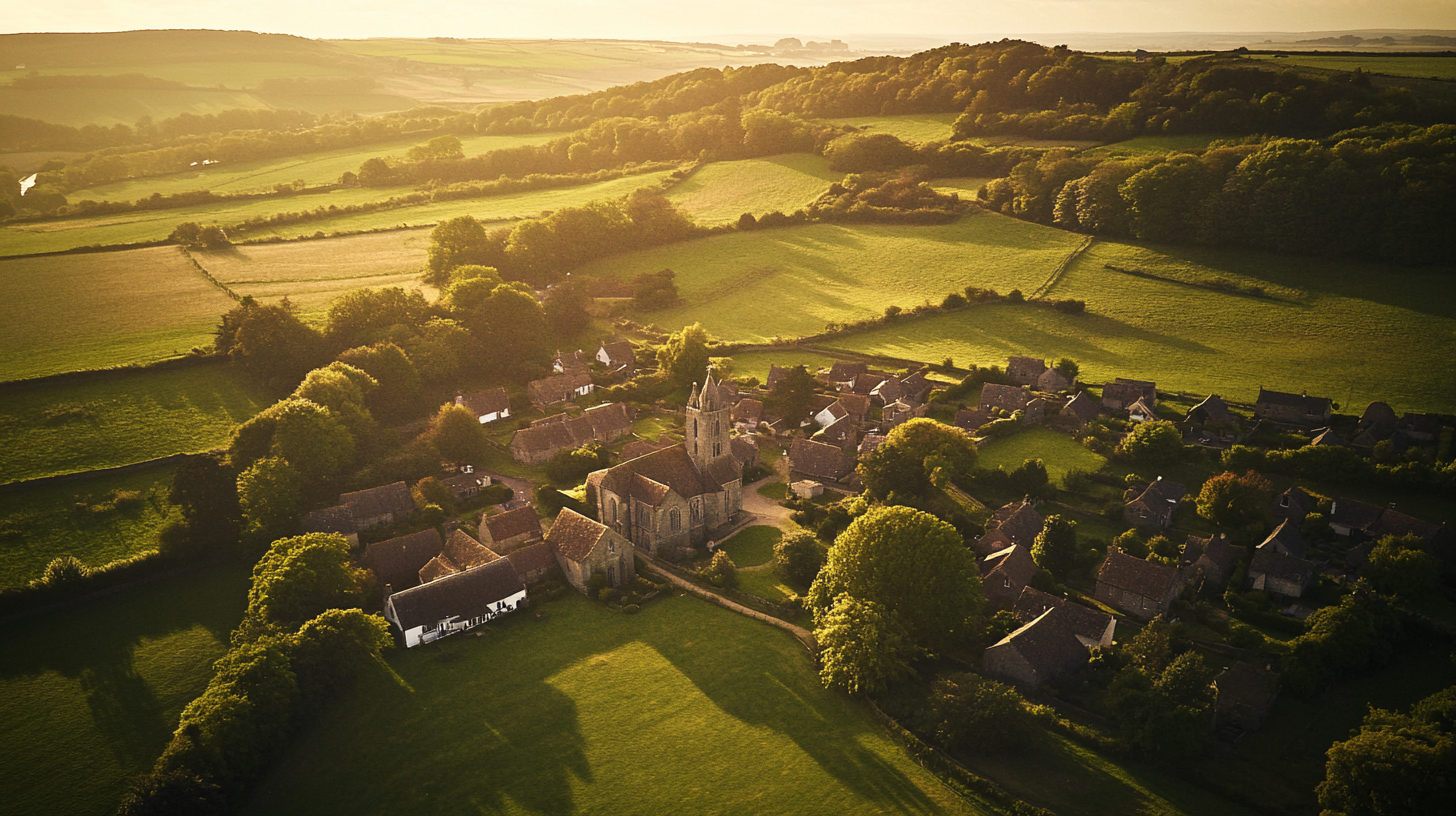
{"x":323,"y":167}
{"x":1059,"y":452}
{"x":722,"y":191}
{"x":683,"y":708}
{"x":73,"y":312}
{"x":111,"y":106}
{"x":1351,"y":331}
{"x":1418,"y":67}
{"x":919,"y":127}
{"x":1144,"y":145}
{"x":89,"y":696}
{"x":41,"y":524}
{"x":49,"y":428}
{"x":311,"y":274}
{"x":752,"y":286}
{"x":756,"y":363}
{"x":752,"y":546}
{"x":969,"y":189}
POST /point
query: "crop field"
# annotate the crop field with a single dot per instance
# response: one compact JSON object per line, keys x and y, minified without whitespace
{"x":43,"y":523}
{"x":323,"y":167}
{"x":72,"y":312}
{"x":1418,"y":67}
{"x":591,"y":712}
{"x":89,"y":696}
{"x":722,"y":191}
{"x":312,"y":273}
{"x":753,"y":286}
{"x":1058,"y":451}
{"x":919,"y":127}
{"x":1351,"y":331}
{"x":63,"y":427}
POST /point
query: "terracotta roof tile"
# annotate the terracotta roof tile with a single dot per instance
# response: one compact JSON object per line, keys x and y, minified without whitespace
{"x":574,"y":535}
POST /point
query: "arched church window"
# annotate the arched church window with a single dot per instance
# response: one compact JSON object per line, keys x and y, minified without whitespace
{"x":676,"y":518}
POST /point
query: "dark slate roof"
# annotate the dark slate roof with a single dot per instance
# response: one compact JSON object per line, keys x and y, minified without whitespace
{"x":1294,"y":503}
{"x":818,"y":459}
{"x":398,"y":561}
{"x":1084,"y":622}
{"x":1005,"y":397}
{"x":1328,"y":437}
{"x":1269,"y":561}
{"x":531,"y":558}
{"x":1141,"y":407}
{"x":330,"y":520}
{"x":553,"y":436}
{"x":1286,"y":538}
{"x":846,"y":372}
{"x":378,"y":501}
{"x":642,"y":447}
{"x":1378,"y":417}
{"x":574,"y":535}
{"x":970,"y":419}
{"x":520,"y":521}
{"x":1025,"y":370}
{"x":609,"y":420}
{"x":1082,"y":407}
{"x":1127,"y":391}
{"x":571,"y":362}
{"x":838,"y":431}
{"x":672,"y":467}
{"x":620,"y":353}
{"x":1356,"y":514}
{"x":856,"y":404}
{"x":1213,"y":410}
{"x":1135,"y":575}
{"x":481,"y":403}
{"x":1018,"y":522}
{"x":1216,"y":549}
{"x":744,"y":449}
{"x":869,"y":443}
{"x":748,"y":410}
{"x":1053,"y":380}
{"x":1393,"y":522}
{"x":558,"y":388}
{"x":915,"y":386}
{"x":1048,"y":644}
{"x":775,"y":373}
{"x":870,"y":383}
{"x":1014,"y":562}
{"x":1163,"y":492}
{"x":463,"y":595}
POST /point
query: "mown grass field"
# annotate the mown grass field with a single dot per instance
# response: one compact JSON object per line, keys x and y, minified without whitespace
{"x":311,"y":274}
{"x":1418,"y":67}
{"x":50,"y":428}
{"x":682,"y":708}
{"x":43,"y":523}
{"x":1058,"y":451}
{"x":722,"y":191}
{"x":72,"y":312}
{"x":323,"y":167}
{"x":89,"y":696}
{"x":753,"y":286}
{"x":1354,"y":332}
{"x":921,"y":127}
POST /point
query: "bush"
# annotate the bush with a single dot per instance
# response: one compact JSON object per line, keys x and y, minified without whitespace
{"x":631,"y":609}
{"x":605,"y":594}
{"x":968,"y":712}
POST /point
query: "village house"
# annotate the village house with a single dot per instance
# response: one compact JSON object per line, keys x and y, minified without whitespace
{"x":775,"y":373}
{"x":747,"y":414}
{"x":807,"y":489}
{"x":1093,"y":629}
{"x":583,"y":548}
{"x":559,"y":388}
{"x":460,"y":553}
{"x":575,"y":362}
{"x":1153,"y":507}
{"x":1369,"y":523}
{"x":510,"y":530}
{"x":335,"y":519}
{"x":1007,"y":398}
{"x":870,"y":442}
{"x":618,"y":359}
{"x":1036,"y":653}
{"x":487,"y":406}
{"x":1122,"y":393}
{"x":548,"y":436}
{"x":534,"y":562}
{"x":831,"y":413}
{"x":840,"y":376}
{"x":1025,"y":370}
{"x":1140,"y":588}
{"x":1327,"y":438}
{"x":1212,"y":411}
{"x":1141,"y":411}
{"x":971,"y":419}
{"x":396,"y":563}
{"x":819,"y":460}
{"x":1053,"y":380}
{"x":1004,"y":574}
{"x":1035,"y":411}
{"x":1246,"y":694}
{"x":1296,"y":410}
{"x":841,"y":432}
{"x":1294,"y":504}
{"x":900,"y":411}
{"x":362,"y":510}
{"x":1209,"y":559}
{"x":1014,"y":523}
{"x":1278,"y":566}
{"x":1078,"y":411}
{"x":466,"y":484}
{"x":455,"y":603}
{"x":681,"y":496}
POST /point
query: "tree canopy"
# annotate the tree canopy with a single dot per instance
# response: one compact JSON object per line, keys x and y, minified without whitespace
{"x":863,"y":646}
{"x":1235,"y":501}
{"x":915,"y":456}
{"x":684,"y":357}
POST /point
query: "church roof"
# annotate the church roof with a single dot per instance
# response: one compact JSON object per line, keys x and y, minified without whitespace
{"x":669,"y":467}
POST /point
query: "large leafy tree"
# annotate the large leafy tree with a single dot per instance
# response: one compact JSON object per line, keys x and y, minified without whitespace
{"x":1235,"y":501}
{"x":399,"y":381}
{"x":1400,"y":566}
{"x":798,"y":557}
{"x":367,"y":315}
{"x":205,"y":487}
{"x":969,"y":712}
{"x":343,"y":390}
{"x":270,"y":493}
{"x":684,"y":358}
{"x":863,"y":646}
{"x":914,"y":457}
{"x":300,"y":577}
{"x":1165,"y":712}
{"x":911,"y":563}
{"x":312,"y":438}
{"x":1396,"y":763}
{"x":511,"y":328}
{"x":793,"y":395}
{"x":1155,"y":442}
{"x":1055,"y":547}
{"x":269,"y":343}
{"x":457,"y":242}
{"x":457,"y":434}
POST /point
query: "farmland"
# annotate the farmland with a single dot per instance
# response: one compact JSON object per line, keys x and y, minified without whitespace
{"x":722,"y":191}
{"x":92,"y":311}
{"x":1145,"y":145}
{"x":90,"y":695}
{"x":554,"y":725}
{"x":1354,"y":332}
{"x":1417,"y":67}
{"x":1059,"y":452}
{"x":928,"y":127}
{"x":752,"y":286}
{"x":97,"y":422}
{"x":40,"y":524}
{"x":756,"y":363}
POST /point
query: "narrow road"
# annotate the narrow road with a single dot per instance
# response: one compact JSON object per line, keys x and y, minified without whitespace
{"x":804,"y":635}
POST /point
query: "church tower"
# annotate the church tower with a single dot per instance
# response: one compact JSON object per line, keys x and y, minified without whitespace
{"x":709,"y":419}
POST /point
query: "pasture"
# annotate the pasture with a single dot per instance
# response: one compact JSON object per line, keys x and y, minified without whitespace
{"x":311,"y":274}
{"x":1146,"y":145}
{"x":90,"y":695}
{"x":786,"y":282}
{"x":78,"y":107}
{"x":1058,"y":451}
{"x":969,"y":189}
{"x":683,"y":707}
{"x":63,"y":427}
{"x":43,"y":523}
{"x":323,"y":167}
{"x":756,"y":363}
{"x":722,"y":191}
{"x":1355,"y":332}
{"x":916,"y":127}
{"x":73,"y":312}
{"x":1417,"y":67}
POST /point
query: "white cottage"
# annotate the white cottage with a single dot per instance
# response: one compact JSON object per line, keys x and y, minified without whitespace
{"x":455,"y":603}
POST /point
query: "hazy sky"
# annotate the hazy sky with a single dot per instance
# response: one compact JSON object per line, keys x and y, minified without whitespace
{"x":729,"y":21}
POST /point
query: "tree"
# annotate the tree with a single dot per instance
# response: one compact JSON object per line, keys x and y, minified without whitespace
{"x":792,"y":396}
{"x":1399,"y":565}
{"x":915,"y":456}
{"x":721,"y":571}
{"x":270,"y":494}
{"x":312,"y":439}
{"x":798,"y":557}
{"x":566,"y":309}
{"x":1029,"y":478}
{"x":398,"y":394}
{"x":455,"y":242}
{"x":332,"y":648}
{"x":684,"y":358}
{"x":1155,"y":442}
{"x":343,"y":390}
{"x":1165,"y":712}
{"x":511,"y":327}
{"x":300,"y":577}
{"x":458,"y":435}
{"x":569,"y":467}
{"x":1395,"y":764}
{"x":863,"y":647}
{"x":466,"y":293}
{"x":431,"y":490}
{"x":1068,"y":368}
{"x":969,"y":712}
{"x":654,"y":290}
{"x":367,"y":315}
{"x":205,"y":487}
{"x":1055,"y":547}
{"x":269,"y":343}
{"x":911,"y":563}
{"x":1235,"y":501}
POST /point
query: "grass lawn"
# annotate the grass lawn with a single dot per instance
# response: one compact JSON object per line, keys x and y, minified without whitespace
{"x":89,"y":696}
{"x":78,"y":312}
{"x":121,"y":419}
{"x":753,"y":286}
{"x":311,"y":274}
{"x":1058,"y":451}
{"x":42,"y":524}
{"x":763,"y":582}
{"x":774,"y":490}
{"x":915,"y":127}
{"x":967,"y":187}
{"x":722,"y":191}
{"x":683,"y":708}
{"x":752,"y":546}
{"x":756,"y":363}
{"x":1354,"y":332}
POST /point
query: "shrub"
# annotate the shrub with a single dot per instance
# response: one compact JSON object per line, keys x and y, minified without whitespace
{"x":967,"y":712}
{"x":64,"y":571}
{"x":631,"y":609}
{"x":605,"y":594}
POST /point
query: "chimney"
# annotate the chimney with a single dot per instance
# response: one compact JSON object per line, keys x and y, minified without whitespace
{"x":388,"y":591}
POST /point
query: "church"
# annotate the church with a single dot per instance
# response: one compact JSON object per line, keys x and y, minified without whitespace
{"x":682,"y":496}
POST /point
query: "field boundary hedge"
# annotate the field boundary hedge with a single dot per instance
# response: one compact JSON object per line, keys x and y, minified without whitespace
{"x":25,"y":601}
{"x":215,"y":282}
{"x":82,"y":475}
{"x":83,"y":375}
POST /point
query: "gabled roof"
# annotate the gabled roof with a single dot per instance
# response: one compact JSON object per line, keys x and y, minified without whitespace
{"x":1135,"y":575}
{"x":574,"y":535}
{"x":670,"y":466}
{"x":1140,"y":407}
{"x":642,"y":447}
{"x":1394,"y":522}
{"x":818,"y":459}
{"x":558,"y":388}
{"x":856,"y":404}
{"x":1047,"y":644}
{"x":1245,"y":685}
{"x":1126,"y":392}
{"x":460,"y":553}
{"x":845,"y":372}
{"x":1005,"y":397}
{"x":482,"y":403}
{"x":1053,"y":380}
{"x":608,"y":420}
{"x":744,"y":449}
{"x":971,"y":419}
{"x":619,"y":352}
{"x":1082,"y":407}
{"x":748,"y":410}
{"x":840,"y":430}
{"x":1309,"y":404}
{"x":1328,"y":437}
{"x":1378,"y":417}
{"x":550,"y":436}
{"x":330,"y":520}
{"x":1161,"y":494}
{"x":1083,"y":621}
{"x":1354,"y":514}
{"x":529,"y":559}
{"x":775,"y":373}
{"x":870,"y":383}
{"x":398,"y":561}
{"x":1025,"y":370}
{"x":869,"y":443}
{"x":1018,"y":522}
{"x":520,"y":521}
{"x":1294,"y":503}
{"x":1271,"y":562}
{"x":1217,"y":549}
{"x":462,"y":481}
{"x":572,"y":361}
{"x":463,"y":595}
{"x":1013,"y":562}
{"x":378,"y":501}
{"x":1213,"y":410}
{"x":836,"y":411}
